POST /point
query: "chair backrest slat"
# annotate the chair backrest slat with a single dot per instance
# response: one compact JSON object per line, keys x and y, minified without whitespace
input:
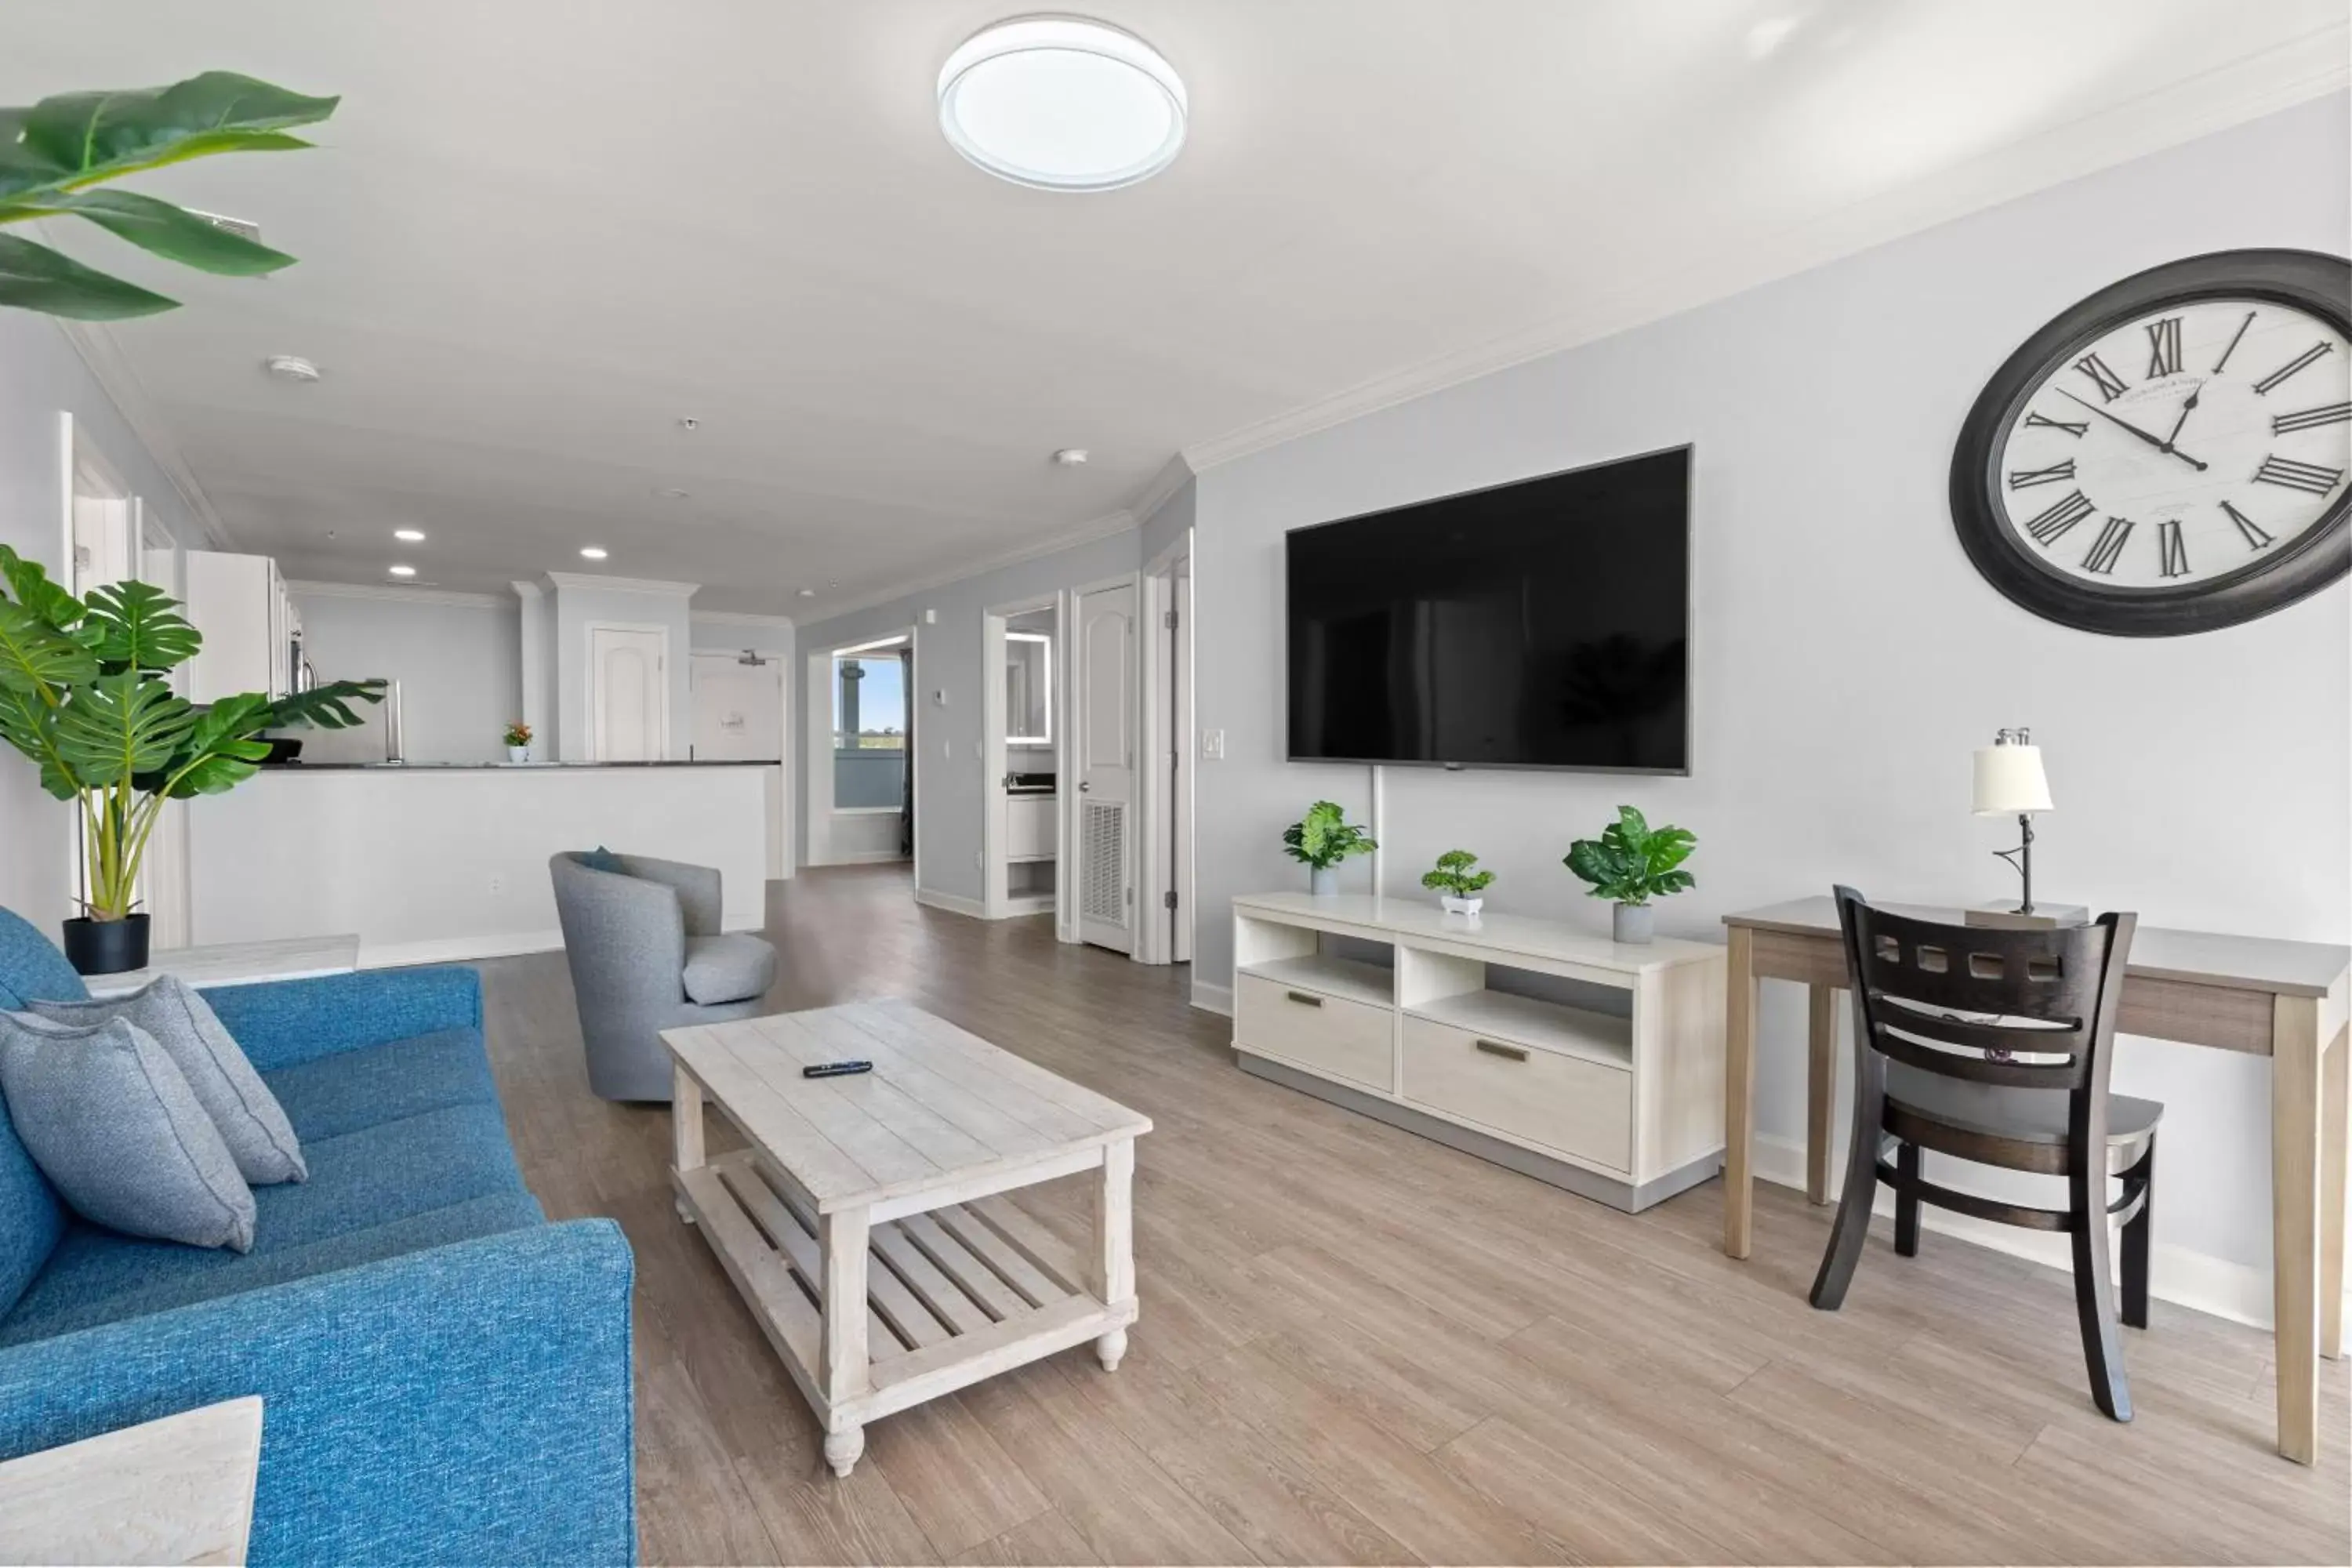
{"x":2024,"y":1007}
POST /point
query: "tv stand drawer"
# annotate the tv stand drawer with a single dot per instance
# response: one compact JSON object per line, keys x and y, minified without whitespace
{"x":1559,"y":1101}
{"x":1312,"y":1029}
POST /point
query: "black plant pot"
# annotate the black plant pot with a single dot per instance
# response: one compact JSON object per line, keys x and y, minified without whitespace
{"x":106,"y":947}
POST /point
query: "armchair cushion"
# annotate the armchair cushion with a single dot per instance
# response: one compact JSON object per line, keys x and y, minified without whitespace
{"x":171,"y":1013}
{"x":733,"y":968}
{"x":118,"y":1132}
{"x":389,"y":1172}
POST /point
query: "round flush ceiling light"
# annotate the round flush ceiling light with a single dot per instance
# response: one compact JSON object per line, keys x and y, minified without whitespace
{"x":1062,"y":103}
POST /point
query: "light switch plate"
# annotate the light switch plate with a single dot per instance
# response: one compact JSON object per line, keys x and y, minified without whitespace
{"x":1212,"y":746}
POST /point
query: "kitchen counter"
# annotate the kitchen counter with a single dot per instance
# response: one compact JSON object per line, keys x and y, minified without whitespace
{"x":502,"y":767}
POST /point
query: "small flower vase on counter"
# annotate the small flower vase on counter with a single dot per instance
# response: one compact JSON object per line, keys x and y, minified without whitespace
{"x":1454,"y":906}
{"x":518,"y":753}
{"x":1323,"y":880}
{"x":1633,"y":923}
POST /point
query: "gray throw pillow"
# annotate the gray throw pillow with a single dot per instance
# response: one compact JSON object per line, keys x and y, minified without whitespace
{"x":118,"y":1132}
{"x":175,"y":1017}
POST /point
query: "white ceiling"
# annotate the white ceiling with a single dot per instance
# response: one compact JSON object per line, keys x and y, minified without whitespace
{"x":541,"y":231}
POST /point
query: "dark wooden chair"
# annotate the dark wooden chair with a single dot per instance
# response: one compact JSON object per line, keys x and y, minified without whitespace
{"x":1994,"y":1045}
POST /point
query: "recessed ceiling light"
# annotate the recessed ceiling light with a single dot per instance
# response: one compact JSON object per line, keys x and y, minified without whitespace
{"x":291,"y":367}
{"x":671,"y":492}
{"x":404,"y":570}
{"x":1071,"y":456}
{"x":593,"y":551}
{"x":808,"y":592}
{"x":1062,"y":103}
{"x":409,"y":535}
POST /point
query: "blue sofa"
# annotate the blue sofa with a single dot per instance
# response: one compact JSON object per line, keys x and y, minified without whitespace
{"x":446,"y":1376}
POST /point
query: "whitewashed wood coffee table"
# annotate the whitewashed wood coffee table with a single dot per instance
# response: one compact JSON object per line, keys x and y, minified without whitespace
{"x":864,"y":1226}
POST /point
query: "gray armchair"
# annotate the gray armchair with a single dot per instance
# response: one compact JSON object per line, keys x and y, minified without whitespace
{"x":647,"y":954}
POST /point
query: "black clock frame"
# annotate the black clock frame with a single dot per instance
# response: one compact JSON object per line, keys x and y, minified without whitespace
{"x":2307,"y":280}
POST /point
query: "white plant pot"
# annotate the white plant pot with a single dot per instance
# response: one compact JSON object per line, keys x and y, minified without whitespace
{"x":1632,"y":923}
{"x":1454,"y":906}
{"x":1322,"y":879}
{"x":518,"y":753}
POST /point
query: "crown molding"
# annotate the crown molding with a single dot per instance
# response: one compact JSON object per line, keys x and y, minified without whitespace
{"x":2231,"y":94}
{"x":1173,"y":476}
{"x":317,"y":590}
{"x":624,"y":585}
{"x":1104,"y":527}
{"x":526,"y":590}
{"x":737,"y":618}
{"x":102,"y":356}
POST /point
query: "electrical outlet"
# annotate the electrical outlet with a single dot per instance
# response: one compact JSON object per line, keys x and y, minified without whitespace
{"x":498,"y":886}
{"x":1212,"y":746}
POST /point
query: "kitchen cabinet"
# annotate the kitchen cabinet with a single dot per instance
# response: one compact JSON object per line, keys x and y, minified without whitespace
{"x":250,"y":626}
{"x":1028,"y":828}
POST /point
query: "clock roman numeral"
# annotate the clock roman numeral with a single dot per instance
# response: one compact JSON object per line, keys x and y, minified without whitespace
{"x":2333,"y":414}
{"x":2172,"y":554}
{"x":2051,"y":525}
{"x":2298,"y":363}
{"x":2309,"y":477}
{"x":2019,"y":479}
{"x":2164,"y":347}
{"x":2256,"y":538}
{"x":2109,"y":546}
{"x":2233,"y":342}
{"x":2036,"y":422}
{"x":2109,"y":384}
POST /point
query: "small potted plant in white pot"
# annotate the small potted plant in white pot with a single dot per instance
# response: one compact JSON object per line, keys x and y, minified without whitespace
{"x":1320,"y":840}
{"x":1456,"y":884}
{"x":1629,"y":864}
{"x":518,"y":741}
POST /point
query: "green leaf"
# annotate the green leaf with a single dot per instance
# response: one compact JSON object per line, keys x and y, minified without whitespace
{"x":118,"y":726}
{"x":32,"y":589}
{"x":35,"y":278}
{"x":173,"y":233}
{"x":139,"y":627}
{"x":30,"y":725}
{"x":37,"y":659}
{"x":79,"y":139}
{"x":1669,"y":847}
{"x":327,"y":707}
{"x":1633,"y":828}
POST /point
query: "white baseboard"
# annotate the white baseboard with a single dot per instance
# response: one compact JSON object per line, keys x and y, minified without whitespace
{"x":1026,"y":904}
{"x":859,"y":858}
{"x":1211,"y":998}
{"x":2194,"y":1280}
{"x":458,"y":949}
{"x":950,"y":902}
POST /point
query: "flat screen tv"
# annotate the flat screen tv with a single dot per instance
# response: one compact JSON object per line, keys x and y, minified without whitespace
{"x":1537,"y":624}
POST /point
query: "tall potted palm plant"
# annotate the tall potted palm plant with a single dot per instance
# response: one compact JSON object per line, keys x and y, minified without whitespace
{"x":85,"y":694}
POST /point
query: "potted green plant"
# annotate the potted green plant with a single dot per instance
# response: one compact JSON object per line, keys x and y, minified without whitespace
{"x":84,"y":694}
{"x":1320,"y":840}
{"x":1629,"y":864}
{"x":1457,"y":885}
{"x":518,"y":741}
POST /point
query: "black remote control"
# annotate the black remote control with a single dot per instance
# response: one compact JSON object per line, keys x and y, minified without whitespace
{"x":836,"y":1070}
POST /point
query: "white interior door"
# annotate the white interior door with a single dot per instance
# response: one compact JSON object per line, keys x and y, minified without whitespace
{"x":1106,"y":767}
{"x":628,"y":699}
{"x":738,"y":708}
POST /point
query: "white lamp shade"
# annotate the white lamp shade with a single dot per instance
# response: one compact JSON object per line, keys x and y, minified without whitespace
{"x":2010,"y":781}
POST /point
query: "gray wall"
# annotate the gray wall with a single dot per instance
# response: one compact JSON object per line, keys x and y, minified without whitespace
{"x":947,"y":756}
{"x":1846,"y":658}
{"x":459,"y":668}
{"x":40,"y":377}
{"x":575,"y":607}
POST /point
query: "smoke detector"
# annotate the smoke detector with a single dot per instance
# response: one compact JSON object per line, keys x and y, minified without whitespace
{"x":291,"y":367}
{"x":1071,"y":456}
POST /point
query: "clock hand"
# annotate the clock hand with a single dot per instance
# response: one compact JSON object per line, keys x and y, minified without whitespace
{"x":2194,"y":393}
{"x":2158,"y":442}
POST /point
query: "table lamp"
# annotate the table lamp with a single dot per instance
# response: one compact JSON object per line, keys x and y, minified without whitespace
{"x":2010,"y":781}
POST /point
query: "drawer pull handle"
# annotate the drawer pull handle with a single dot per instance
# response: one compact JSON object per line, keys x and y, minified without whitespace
{"x":1496,"y":1049}
{"x":1303,"y":996}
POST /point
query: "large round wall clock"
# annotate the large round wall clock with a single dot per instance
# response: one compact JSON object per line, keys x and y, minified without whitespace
{"x":2171,"y":454}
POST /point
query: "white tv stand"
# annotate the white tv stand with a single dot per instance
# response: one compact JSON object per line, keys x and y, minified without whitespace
{"x":1623,"y":1108}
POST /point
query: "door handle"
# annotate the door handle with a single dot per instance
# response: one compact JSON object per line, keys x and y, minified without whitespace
{"x":1496,"y":1049}
{"x":1302,"y":996}
{"x":1084,"y":787}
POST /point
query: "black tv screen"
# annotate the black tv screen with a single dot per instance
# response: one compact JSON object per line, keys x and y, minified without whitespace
{"x":1537,"y":624}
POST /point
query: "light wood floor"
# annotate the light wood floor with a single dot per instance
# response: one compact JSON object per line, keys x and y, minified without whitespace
{"x":1360,"y":1347}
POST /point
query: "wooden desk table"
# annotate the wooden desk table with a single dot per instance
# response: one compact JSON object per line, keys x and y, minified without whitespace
{"x":2284,"y":1000}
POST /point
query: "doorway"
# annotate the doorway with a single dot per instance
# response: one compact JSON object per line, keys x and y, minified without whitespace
{"x":1103,"y":734}
{"x":1021,"y":726}
{"x":738,"y":708}
{"x":1164,"y":794}
{"x":628,"y":693}
{"x":862,"y":759}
